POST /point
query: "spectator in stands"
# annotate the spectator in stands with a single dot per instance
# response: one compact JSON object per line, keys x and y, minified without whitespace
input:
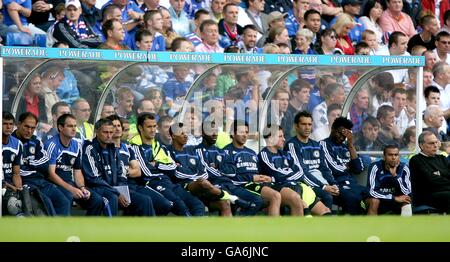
{"x":115,"y":34}
{"x":109,"y":12}
{"x":42,"y":12}
{"x":295,"y":18}
{"x":442,"y":47}
{"x":278,"y":35}
{"x":34,"y":168}
{"x":153,"y":22}
{"x":148,"y":5}
{"x":433,"y":120}
{"x":352,"y":8}
{"x":300,"y":93}
{"x":200,"y":16}
{"x":59,"y":13}
{"x":441,"y":79}
{"x":51,"y":80}
{"x":32,"y":101}
{"x":389,"y":132}
{"x":389,"y":184}
{"x":333,"y":94}
{"x":12,"y":150}
{"x":131,"y":14}
{"x":430,"y":59}
{"x":209,"y":33}
{"x":327,"y":42}
{"x":156,"y":96}
{"x":402,"y":119}
{"x":58,"y":109}
{"x":255,"y":12}
{"x":247,"y":44}
{"x":216,"y":13}
{"x":430,"y":174}
{"x":90,"y":13}
{"x":181,"y":44}
{"x":380,"y":90}
{"x":427,"y":77}
{"x":409,"y":139}
{"x":180,"y":19}
{"x":192,"y":6}
{"x":281,"y":116}
{"x":74,"y":30}
{"x":313,"y":23}
{"x":370,"y":18}
{"x":82,"y":111}
{"x":369,"y":37}
{"x":246,"y":169}
{"x":398,"y":43}
{"x":277,"y":5}
{"x":344,"y":162}
{"x":426,"y":38}
{"x":107,"y":110}
{"x":15,"y":16}
{"x":143,"y":40}
{"x":358,"y":111}
{"x":167,"y":28}
{"x":125,"y":101}
{"x":64,"y":168}
{"x":275,"y":19}
{"x":438,"y":9}
{"x":303,"y":40}
{"x":344,"y":24}
{"x":393,"y":19}
{"x":176,"y":88}
{"x":366,"y":138}
{"x":309,"y":158}
{"x":229,"y":30}
{"x":333,"y":111}
{"x":445,"y":21}
{"x":331,"y":10}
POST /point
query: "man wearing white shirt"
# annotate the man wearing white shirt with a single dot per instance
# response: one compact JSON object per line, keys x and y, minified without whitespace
{"x":442,"y":47}
{"x":398,"y":43}
{"x":441,"y":73}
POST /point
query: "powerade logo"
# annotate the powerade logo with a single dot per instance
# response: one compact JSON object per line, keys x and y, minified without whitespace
{"x":81,"y":54}
{"x":24,"y":52}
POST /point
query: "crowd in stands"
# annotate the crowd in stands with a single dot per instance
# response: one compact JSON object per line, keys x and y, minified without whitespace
{"x":164,"y":155}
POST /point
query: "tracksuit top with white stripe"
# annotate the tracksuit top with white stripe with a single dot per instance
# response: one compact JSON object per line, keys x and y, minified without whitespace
{"x":102,"y":166}
{"x":311,"y":159}
{"x":11,"y":156}
{"x":383,"y":185}
{"x":339,"y":161}
{"x":280,"y":166}
{"x":65,"y":159}
{"x":154,"y":161}
{"x":126,"y":155}
{"x":189,"y":166}
{"x":219,"y":165}
{"x":34,"y":157}
{"x":246,"y":164}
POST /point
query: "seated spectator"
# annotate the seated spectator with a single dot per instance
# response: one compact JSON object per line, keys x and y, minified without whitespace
{"x":176,"y":88}
{"x":426,"y":38}
{"x":179,"y":18}
{"x":369,"y":37}
{"x":107,"y":110}
{"x":15,"y":17}
{"x":353,"y":9}
{"x":313,"y":23}
{"x":333,"y":111}
{"x":60,"y":13}
{"x":358,"y":110}
{"x":229,"y":30}
{"x":115,"y":34}
{"x":248,"y":40}
{"x":216,"y":13}
{"x":124,"y":100}
{"x":258,"y":18}
{"x":82,"y":111}
{"x":143,"y":40}
{"x":326,"y":45}
{"x":393,"y":19}
{"x":430,"y":174}
{"x":51,"y":79}
{"x":370,"y":18}
{"x":275,"y":19}
{"x":74,"y":30}
{"x":209,"y":32}
{"x":303,"y":40}
{"x":389,"y":132}
{"x":153,"y":21}
{"x":181,"y":44}
{"x":389,"y":184}
{"x":441,"y":80}
{"x":343,"y":26}
{"x":300,"y":93}
{"x":167,"y":29}
{"x":90,"y":12}
{"x":200,"y":16}
{"x":442,"y":47}
{"x":333,"y":94}
{"x":433,"y":119}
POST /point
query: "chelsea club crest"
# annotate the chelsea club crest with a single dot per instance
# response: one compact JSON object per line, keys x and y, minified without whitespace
{"x":316,"y":154}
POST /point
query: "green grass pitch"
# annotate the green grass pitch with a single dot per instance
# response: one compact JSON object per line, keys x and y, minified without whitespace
{"x":216,"y":229}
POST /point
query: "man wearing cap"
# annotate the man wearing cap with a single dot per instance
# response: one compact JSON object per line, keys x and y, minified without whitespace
{"x":353,"y":8}
{"x":275,"y":19}
{"x":73,"y":30}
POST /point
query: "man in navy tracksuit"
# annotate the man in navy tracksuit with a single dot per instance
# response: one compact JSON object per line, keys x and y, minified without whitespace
{"x":287,"y":176}
{"x":246,"y":169}
{"x":343,"y":161}
{"x":389,"y":183}
{"x":35,"y":166}
{"x":65,"y":167}
{"x":132,"y":169}
{"x":220,"y":169}
{"x":103,"y":169}
{"x":308,"y":154}
{"x":157,"y":166}
{"x":11,"y":160}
